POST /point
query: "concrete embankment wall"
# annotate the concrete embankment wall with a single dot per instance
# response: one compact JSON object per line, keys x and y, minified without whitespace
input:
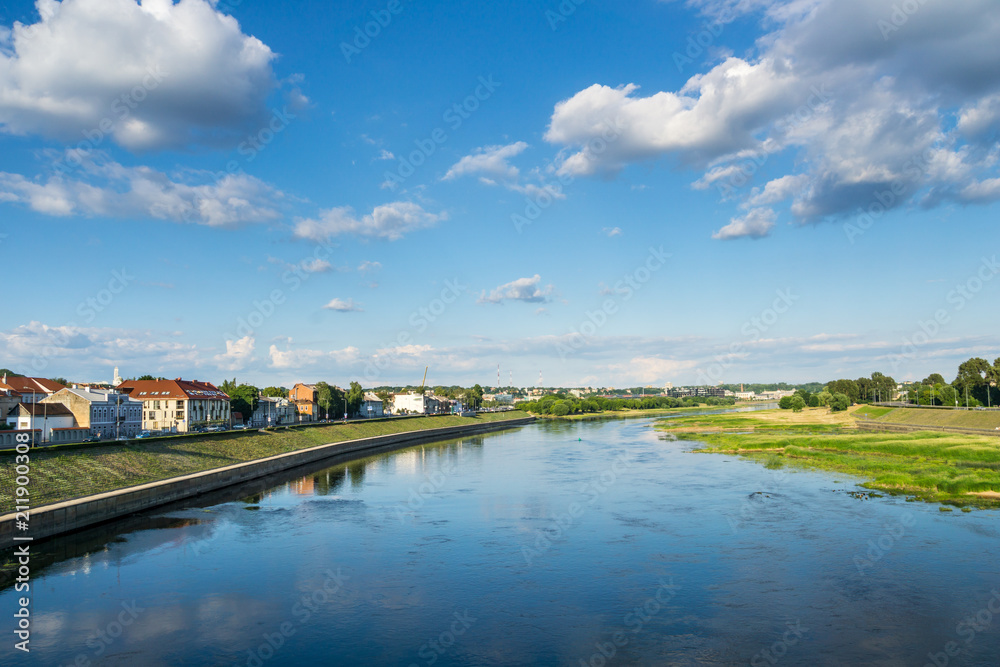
{"x":82,"y":512}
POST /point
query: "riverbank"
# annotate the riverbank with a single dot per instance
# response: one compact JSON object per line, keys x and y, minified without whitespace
{"x":955,"y":469}
{"x":66,"y":473}
{"x":81,"y":512}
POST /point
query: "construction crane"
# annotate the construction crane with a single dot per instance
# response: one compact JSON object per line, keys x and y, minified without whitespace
{"x":424,"y":381}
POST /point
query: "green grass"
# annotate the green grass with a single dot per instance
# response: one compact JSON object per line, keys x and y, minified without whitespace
{"x":633,"y":414}
{"x":66,"y":473}
{"x":983,"y":419}
{"x":927,"y":465}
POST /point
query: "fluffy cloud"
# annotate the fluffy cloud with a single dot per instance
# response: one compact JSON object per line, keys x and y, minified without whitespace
{"x":859,"y":97}
{"x":342,"y":306}
{"x":238,"y":354}
{"x":109,"y":189}
{"x":490,"y":161}
{"x":388,"y":221}
{"x":756,"y":224}
{"x":522,"y":289}
{"x":150,"y":75}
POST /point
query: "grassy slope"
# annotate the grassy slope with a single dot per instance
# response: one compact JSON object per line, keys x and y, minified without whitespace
{"x":633,"y":414}
{"x":929,"y":417}
{"x":928,"y":465}
{"x":73,"y":473}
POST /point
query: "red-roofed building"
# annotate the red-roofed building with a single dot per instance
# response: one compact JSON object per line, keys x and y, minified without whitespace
{"x":32,"y":390}
{"x":179,"y":405}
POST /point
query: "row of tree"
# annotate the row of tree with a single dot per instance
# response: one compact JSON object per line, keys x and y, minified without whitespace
{"x":563,"y":404}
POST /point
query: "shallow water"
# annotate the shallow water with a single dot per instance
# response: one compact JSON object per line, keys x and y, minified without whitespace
{"x":552,"y":544}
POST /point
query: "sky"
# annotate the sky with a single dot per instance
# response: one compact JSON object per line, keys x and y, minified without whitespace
{"x":592,"y":192}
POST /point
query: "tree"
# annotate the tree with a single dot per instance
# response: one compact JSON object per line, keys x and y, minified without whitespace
{"x":474,"y":398}
{"x":974,"y":377}
{"x":933,"y":379}
{"x":244,"y":399}
{"x":325,"y":398}
{"x":10,"y":373}
{"x":798,"y":404}
{"x":227,"y":387}
{"x":824,"y":398}
{"x":560,"y":409}
{"x":355,"y":396}
{"x":840,"y":402}
{"x":276,"y":392}
{"x":386,"y":397}
{"x":804,"y":394}
{"x":150,"y":377}
{"x":814,"y":401}
{"x":785,"y":403}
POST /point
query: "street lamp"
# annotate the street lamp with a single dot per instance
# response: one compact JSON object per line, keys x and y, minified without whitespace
{"x":345,"y":408}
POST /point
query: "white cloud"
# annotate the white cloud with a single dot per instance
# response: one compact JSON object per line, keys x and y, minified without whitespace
{"x":342,"y":306}
{"x":369,"y":267}
{"x":489,"y":160}
{"x":388,"y":221}
{"x":612,"y":232}
{"x":756,"y":224}
{"x":316,"y":265}
{"x":857,"y":108}
{"x":238,"y":354}
{"x":149,"y":75}
{"x":296,"y":359}
{"x":522,"y":289}
{"x":386,"y":155}
{"x":109,"y":189}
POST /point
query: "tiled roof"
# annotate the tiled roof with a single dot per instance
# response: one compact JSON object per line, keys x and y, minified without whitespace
{"x":26,"y":385}
{"x":44,"y":409}
{"x":149,"y":390}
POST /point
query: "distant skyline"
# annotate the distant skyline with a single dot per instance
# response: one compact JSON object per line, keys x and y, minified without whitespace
{"x":611,"y":194}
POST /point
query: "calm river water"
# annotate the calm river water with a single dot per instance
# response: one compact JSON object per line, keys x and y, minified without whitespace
{"x":555,"y":544}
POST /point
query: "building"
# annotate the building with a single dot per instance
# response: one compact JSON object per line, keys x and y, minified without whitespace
{"x":773,"y":395}
{"x":273,"y":412}
{"x":414,"y":404}
{"x":104,"y":413}
{"x":32,"y":390}
{"x":179,"y":406}
{"x":372,"y":406}
{"x":54,"y":423}
{"x":305,"y":397}
{"x":745,"y":395}
{"x":10,"y":398}
{"x":702,"y":392}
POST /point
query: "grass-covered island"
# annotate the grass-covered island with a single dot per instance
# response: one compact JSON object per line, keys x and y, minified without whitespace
{"x":954,"y":469}
{"x":63,"y":473}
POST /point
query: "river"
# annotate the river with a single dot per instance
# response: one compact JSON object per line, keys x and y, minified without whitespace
{"x":559,"y":543}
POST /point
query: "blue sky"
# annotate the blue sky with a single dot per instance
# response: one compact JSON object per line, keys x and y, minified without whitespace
{"x":606,"y":193}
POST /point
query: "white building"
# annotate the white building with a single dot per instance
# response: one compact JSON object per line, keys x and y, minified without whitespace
{"x":47,"y":419}
{"x":372,"y":406}
{"x":414,"y":404}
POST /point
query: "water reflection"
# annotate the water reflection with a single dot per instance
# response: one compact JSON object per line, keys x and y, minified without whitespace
{"x":560,"y":543}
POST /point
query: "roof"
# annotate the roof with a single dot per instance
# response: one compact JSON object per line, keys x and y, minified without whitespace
{"x":43,"y":409}
{"x":26,"y":385}
{"x":149,"y":390}
{"x":372,"y":398}
{"x":93,"y":396}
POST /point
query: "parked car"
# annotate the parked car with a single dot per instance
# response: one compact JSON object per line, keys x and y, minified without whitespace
{"x":93,"y":438}
{"x":144,"y":434}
